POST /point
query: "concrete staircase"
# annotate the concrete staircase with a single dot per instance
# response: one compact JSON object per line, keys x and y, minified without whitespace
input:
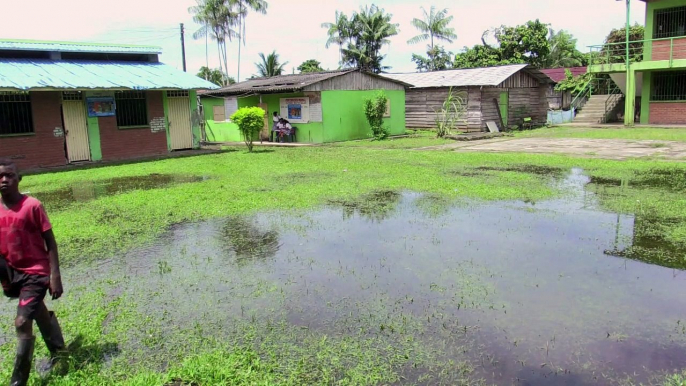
{"x":594,"y":110}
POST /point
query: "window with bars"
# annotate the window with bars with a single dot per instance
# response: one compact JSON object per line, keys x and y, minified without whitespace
{"x":177,"y":93}
{"x":15,"y":113}
{"x":670,"y":22}
{"x":132,"y":108}
{"x":669,"y":86}
{"x":72,"y":96}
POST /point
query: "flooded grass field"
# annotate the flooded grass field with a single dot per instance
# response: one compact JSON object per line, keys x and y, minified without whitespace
{"x":579,"y":282}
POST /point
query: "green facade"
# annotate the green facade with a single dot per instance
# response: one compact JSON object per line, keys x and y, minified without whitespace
{"x":342,"y":116}
{"x":647,"y":67}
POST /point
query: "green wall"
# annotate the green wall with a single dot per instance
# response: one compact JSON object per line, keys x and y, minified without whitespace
{"x":651,"y":7}
{"x":344,"y":118}
{"x":342,"y":113}
{"x":94,"y":126}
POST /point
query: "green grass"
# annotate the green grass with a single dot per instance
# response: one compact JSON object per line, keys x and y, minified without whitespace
{"x":422,"y":138}
{"x":262,"y":352}
{"x":636,"y":133}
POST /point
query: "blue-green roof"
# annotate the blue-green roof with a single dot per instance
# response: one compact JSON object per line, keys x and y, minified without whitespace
{"x":56,"y":46}
{"x":37,"y":74}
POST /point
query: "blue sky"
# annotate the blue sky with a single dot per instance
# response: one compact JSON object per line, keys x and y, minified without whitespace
{"x":293,"y":27}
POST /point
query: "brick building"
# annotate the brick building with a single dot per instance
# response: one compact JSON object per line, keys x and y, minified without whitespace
{"x":653,"y":86}
{"x":64,"y":103}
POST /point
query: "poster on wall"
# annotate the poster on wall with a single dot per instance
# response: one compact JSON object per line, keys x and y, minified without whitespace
{"x":295,"y":110}
{"x":230,"y":107}
{"x":101,"y":107}
{"x":316,"y":112}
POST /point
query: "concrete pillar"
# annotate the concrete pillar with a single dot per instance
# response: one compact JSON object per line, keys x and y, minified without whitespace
{"x":630,"y":98}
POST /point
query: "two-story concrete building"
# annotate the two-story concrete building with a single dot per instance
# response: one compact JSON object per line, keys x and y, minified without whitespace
{"x":654,"y":87}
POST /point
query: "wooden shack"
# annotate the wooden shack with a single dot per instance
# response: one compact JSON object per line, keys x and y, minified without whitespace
{"x":502,"y":94}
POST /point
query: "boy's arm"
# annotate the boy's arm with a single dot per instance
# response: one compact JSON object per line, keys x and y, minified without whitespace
{"x":55,"y":276}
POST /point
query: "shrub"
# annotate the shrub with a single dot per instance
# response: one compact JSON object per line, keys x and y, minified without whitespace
{"x":250,"y":121}
{"x":451,"y":113}
{"x":374,"y":110}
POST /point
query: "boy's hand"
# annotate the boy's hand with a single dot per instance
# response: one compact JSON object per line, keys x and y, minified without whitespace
{"x":55,"y":286}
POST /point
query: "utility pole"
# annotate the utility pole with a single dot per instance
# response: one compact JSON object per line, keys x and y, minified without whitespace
{"x":183,"y":48}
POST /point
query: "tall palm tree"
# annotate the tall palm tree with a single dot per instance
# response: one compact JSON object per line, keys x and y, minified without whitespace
{"x":339,"y":32}
{"x":270,"y":65}
{"x":434,"y":26}
{"x":370,"y":30}
{"x":217,"y":21}
{"x":242,"y":8}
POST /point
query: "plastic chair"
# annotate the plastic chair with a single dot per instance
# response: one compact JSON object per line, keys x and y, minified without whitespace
{"x":527,"y":123}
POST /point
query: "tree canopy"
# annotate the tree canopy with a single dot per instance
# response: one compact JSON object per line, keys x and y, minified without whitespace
{"x":438,"y":59}
{"x":215,"y":76}
{"x":361,"y":37}
{"x":270,"y":65}
{"x":527,"y":43}
{"x":311,"y":65}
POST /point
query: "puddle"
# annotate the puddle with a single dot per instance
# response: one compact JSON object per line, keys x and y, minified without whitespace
{"x":375,"y":206}
{"x":90,"y":190}
{"x":525,"y":294}
{"x":530,"y":169}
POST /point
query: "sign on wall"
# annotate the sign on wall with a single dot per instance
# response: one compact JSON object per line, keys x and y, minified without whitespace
{"x":100,"y":106}
{"x":316,"y":112}
{"x":296,"y":110}
{"x":230,"y":107}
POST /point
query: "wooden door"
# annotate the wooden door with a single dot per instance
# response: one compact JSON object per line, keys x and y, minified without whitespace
{"x":180,"y":130}
{"x":264,"y":133}
{"x":75,"y":127}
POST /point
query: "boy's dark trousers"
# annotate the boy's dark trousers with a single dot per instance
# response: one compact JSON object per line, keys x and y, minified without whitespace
{"x":30,"y":289}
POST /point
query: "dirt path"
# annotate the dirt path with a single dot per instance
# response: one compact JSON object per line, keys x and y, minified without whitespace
{"x":599,"y":148}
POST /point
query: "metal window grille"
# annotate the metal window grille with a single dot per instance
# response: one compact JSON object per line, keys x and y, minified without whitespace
{"x":670,"y":22}
{"x":177,"y":93}
{"x":72,"y":96}
{"x":132,"y":108}
{"x":669,"y":86}
{"x":15,"y":113}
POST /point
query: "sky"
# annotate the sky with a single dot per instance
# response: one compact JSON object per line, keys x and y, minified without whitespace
{"x":293,"y":27}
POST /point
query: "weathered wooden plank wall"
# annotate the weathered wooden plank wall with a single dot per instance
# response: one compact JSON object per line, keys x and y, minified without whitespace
{"x":421,"y":106}
{"x":528,"y":102}
{"x":355,"y":81}
{"x":474,"y":110}
{"x":489,"y":111}
{"x":520,"y":80}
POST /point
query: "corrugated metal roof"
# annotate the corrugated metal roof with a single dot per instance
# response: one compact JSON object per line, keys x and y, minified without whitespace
{"x":28,"y":74}
{"x":278,"y":83}
{"x":284,"y":83}
{"x":37,"y":45}
{"x":558,"y":74}
{"x":486,"y":76}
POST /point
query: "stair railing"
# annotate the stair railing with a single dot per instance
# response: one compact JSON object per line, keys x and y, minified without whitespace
{"x":614,"y":96}
{"x":582,"y":97}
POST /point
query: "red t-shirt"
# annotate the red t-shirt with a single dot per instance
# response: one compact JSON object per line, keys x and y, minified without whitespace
{"x":21,"y":236}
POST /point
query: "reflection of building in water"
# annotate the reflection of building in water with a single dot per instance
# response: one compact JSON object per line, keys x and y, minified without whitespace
{"x":647,"y":243}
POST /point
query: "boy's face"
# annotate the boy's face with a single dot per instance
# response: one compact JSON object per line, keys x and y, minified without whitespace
{"x":9,"y":180}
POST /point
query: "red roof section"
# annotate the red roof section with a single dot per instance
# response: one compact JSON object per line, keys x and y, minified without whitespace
{"x":558,"y":74}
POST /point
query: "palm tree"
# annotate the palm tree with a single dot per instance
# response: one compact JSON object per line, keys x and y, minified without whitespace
{"x":339,"y":32}
{"x":369,"y":31}
{"x":215,"y":76}
{"x":242,"y":9}
{"x":563,"y":52}
{"x":217,"y":21}
{"x":434,"y":26}
{"x":270,"y":65}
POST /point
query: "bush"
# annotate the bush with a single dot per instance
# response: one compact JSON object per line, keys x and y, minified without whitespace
{"x":374,"y":110}
{"x":250,"y":121}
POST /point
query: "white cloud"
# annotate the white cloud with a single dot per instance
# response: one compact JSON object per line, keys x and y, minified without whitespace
{"x":293,"y":27}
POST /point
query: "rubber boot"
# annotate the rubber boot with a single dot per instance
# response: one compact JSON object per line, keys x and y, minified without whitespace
{"x":52,"y":336}
{"x":22,"y":363}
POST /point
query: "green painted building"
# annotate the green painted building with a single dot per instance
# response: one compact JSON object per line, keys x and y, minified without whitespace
{"x":323,"y":106}
{"x":654,"y":84}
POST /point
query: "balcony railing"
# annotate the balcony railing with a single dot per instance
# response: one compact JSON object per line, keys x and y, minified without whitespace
{"x":640,"y":50}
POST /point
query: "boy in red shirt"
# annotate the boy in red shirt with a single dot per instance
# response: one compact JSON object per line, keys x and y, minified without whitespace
{"x":29,"y":268}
